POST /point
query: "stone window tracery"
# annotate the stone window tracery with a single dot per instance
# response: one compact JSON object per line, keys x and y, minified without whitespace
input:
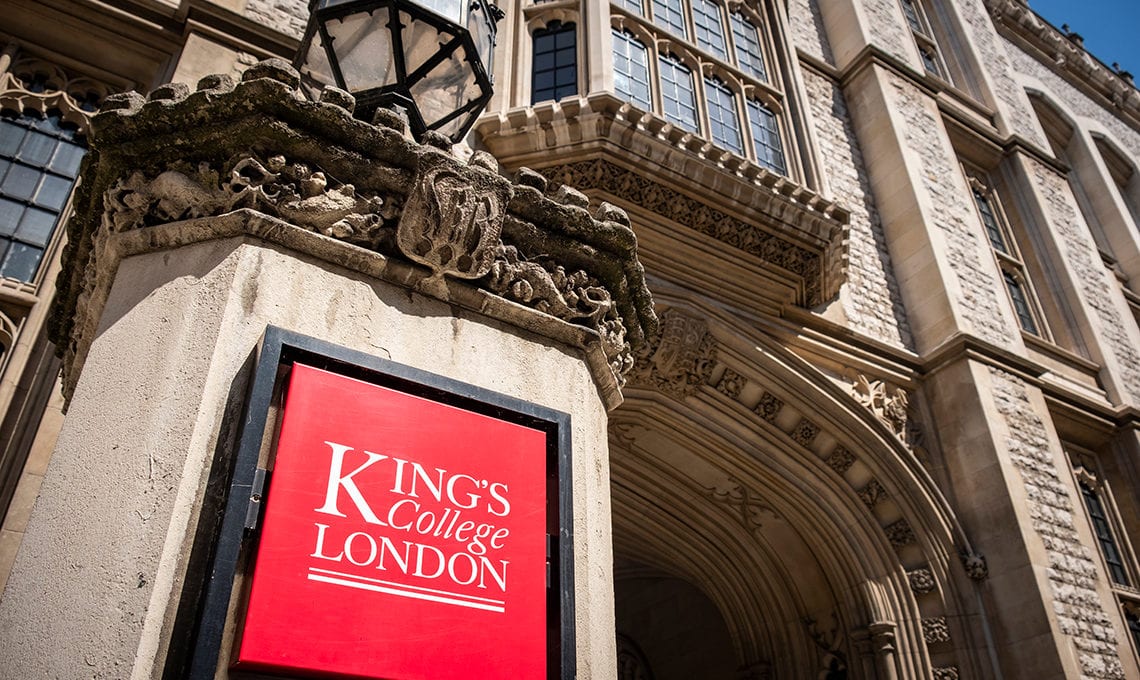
{"x":740,"y":107}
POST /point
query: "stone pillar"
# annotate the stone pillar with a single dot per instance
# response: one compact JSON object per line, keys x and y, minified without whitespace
{"x":207,"y":216}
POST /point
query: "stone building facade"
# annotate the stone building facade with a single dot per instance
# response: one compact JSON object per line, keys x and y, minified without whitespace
{"x":890,"y":425}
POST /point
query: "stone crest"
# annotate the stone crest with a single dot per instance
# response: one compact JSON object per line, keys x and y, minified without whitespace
{"x":452,"y":221}
{"x":681,"y":359}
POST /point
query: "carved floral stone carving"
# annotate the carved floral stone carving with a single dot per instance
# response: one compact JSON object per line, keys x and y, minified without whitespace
{"x":840,"y":460}
{"x":900,"y":533}
{"x":872,"y":493}
{"x":805,"y":432}
{"x":680,"y":359}
{"x":768,"y":407}
{"x":975,"y":566}
{"x":935,"y":630}
{"x":921,"y":580}
{"x":887,"y":404}
{"x":731,"y":383}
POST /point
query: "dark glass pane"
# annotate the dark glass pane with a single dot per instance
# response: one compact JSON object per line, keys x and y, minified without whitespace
{"x":53,"y":192}
{"x":1020,"y":303}
{"x":543,"y":61}
{"x":565,"y":75}
{"x":911,"y":12}
{"x":4,"y":165}
{"x":989,"y":221}
{"x":36,"y":226}
{"x":67,"y":159}
{"x":10,"y":137}
{"x":543,"y":81}
{"x":564,"y":39}
{"x":37,"y":149}
{"x":554,"y":72}
{"x":21,"y":262}
{"x":10,"y":213}
{"x":543,"y":43}
{"x":20,"y":182}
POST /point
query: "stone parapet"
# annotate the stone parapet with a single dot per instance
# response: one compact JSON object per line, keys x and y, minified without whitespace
{"x":262,"y":145}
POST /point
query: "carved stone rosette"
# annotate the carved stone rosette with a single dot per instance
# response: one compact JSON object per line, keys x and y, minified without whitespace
{"x":260,"y":146}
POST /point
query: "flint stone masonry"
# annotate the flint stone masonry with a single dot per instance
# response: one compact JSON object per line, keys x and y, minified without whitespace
{"x":808,"y":32}
{"x":284,"y":16}
{"x":1091,"y":272}
{"x":993,"y":52}
{"x":1072,"y":573}
{"x":887,"y":28}
{"x":870,"y":295}
{"x":954,"y":217}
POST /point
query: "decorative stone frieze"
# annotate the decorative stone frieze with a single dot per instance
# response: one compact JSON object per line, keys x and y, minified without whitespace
{"x":731,"y":383}
{"x":935,"y":630}
{"x":946,"y":673}
{"x":804,"y":433}
{"x":921,"y":580}
{"x":900,"y":533}
{"x":261,"y":145}
{"x":680,"y":359}
{"x":768,"y":407}
{"x":872,"y":493}
{"x":841,"y":460}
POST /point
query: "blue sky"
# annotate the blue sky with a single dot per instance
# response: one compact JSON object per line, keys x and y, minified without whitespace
{"x":1111,"y":28}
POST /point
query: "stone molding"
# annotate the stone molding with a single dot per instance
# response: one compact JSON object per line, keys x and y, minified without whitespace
{"x":786,"y":225}
{"x":1017,"y":22}
{"x":260,"y":144}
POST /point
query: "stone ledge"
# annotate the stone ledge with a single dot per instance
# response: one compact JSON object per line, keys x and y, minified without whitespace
{"x":261,"y":144}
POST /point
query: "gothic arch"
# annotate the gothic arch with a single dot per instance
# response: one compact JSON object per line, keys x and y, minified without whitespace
{"x":799,"y":511}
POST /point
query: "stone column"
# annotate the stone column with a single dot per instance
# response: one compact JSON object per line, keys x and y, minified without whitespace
{"x":205,"y":217}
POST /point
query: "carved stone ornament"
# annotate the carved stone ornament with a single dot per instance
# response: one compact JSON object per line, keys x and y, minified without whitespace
{"x":921,"y":580}
{"x":747,"y":508}
{"x":452,"y":220}
{"x":840,"y":460}
{"x":805,"y":432}
{"x":975,"y":566}
{"x":731,"y":383}
{"x":900,"y":533}
{"x":946,"y":673}
{"x":872,"y":493}
{"x":887,"y":404}
{"x":768,"y":407}
{"x":416,"y":214}
{"x":680,"y":359}
{"x":935,"y":630}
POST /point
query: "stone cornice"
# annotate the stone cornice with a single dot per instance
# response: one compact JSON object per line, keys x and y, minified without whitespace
{"x":1056,"y":50}
{"x":261,"y":145}
{"x":588,"y":141}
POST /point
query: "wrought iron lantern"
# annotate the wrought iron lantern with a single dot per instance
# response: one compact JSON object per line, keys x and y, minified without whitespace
{"x":432,"y":57}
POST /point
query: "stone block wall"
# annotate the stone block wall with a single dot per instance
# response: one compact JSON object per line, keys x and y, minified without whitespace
{"x":806,"y":30}
{"x":870,"y":296}
{"x":1072,"y":573}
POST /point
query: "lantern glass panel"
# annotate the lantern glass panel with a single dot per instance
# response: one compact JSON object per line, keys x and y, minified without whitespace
{"x":448,"y":87}
{"x":421,"y":41}
{"x":363,"y":49}
{"x":316,"y":65}
{"x":452,"y":10}
{"x":481,"y":27}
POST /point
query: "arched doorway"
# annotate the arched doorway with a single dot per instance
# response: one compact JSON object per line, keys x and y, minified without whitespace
{"x":754,"y":495}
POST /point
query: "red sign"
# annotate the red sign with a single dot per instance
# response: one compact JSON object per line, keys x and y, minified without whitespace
{"x":403,"y":539}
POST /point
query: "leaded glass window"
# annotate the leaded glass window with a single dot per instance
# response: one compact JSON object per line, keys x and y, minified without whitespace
{"x":724,"y":125}
{"x":749,"y":54}
{"x":989,"y":220}
{"x":709,"y":27}
{"x":631,"y":69}
{"x":39,"y":159}
{"x":670,"y":15}
{"x":631,"y":5}
{"x":1104,"y":537}
{"x":677,"y":95}
{"x":555,"y":71}
{"x":766,"y":137}
{"x":1020,"y":300}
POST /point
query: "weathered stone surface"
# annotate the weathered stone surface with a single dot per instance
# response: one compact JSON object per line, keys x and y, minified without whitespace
{"x":262,"y":145}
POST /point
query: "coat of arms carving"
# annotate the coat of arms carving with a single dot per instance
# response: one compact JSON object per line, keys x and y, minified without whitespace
{"x":453,"y":218}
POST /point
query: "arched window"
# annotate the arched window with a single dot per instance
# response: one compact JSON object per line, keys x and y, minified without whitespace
{"x":555,"y":69}
{"x":677,"y":95}
{"x":735,"y":52}
{"x":631,"y":69}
